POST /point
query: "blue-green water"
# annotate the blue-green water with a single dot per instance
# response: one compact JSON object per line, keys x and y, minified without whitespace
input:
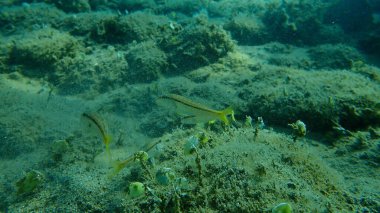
{"x":189,"y":106}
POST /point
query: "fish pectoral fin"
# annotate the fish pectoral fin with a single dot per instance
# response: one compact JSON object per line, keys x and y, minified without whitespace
{"x":189,"y":119}
{"x":225,"y":113}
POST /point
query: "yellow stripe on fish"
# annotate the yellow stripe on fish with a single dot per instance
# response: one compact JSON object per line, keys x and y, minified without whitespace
{"x":100,"y":126}
{"x":195,"y":112}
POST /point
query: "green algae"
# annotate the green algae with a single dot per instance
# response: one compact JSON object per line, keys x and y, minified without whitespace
{"x":30,"y":182}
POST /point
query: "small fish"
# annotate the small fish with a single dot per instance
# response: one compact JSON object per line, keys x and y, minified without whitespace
{"x":101,"y":128}
{"x":195,"y":112}
{"x":120,"y":165}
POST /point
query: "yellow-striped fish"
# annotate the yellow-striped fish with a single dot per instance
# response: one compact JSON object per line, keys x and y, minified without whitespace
{"x":195,"y":112}
{"x":101,"y":128}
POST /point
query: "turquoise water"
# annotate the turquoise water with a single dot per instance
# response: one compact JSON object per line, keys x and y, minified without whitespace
{"x":189,"y":106}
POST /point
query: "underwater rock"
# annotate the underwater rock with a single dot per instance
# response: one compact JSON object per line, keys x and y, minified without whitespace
{"x":138,"y":26}
{"x":295,"y":96}
{"x":198,"y":44}
{"x":42,"y":49}
{"x":75,"y":6}
{"x":230,"y":8}
{"x":185,"y":7}
{"x":334,"y":56}
{"x":31,"y":16}
{"x":146,"y":61}
{"x":296,"y":22}
{"x":86,"y":24}
{"x":131,"y":5}
{"x":247,"y":30}
{"x":99,"y":71}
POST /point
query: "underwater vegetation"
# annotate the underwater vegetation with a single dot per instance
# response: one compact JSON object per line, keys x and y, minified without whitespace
{"x":136,"y":189}
{"x":30,"y":182}
{"x":299,"y":129}
{"x":282,"y":208}
{"x":182,"y":175}
{"x":189,"y":106}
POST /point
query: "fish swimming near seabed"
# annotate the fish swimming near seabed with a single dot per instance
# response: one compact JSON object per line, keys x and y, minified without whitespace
{"x":120,"y":165}
{"x":195,"y":112}
{"x":100,"y":128}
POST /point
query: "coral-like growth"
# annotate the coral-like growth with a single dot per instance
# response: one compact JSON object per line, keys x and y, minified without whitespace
{"x":146,"y":62}
{"x":43,"y":48}
{"x":198,"y":44}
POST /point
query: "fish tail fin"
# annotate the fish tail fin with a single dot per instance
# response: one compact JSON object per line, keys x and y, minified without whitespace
{"x":224,"y":113}
{"x":107,"y":141}
{"x":117,"y":167}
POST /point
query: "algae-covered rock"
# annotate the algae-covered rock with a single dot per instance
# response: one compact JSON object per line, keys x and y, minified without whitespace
{"x":72,"y":5}
{"x":16,"y":19}
{"x":30,"y":182}
{"x":146,"y":61}
{"x":334,"y":56}
{"x":296,"y":22}
{"x":247,"y":30}
{"x":8,"y":2}
{"x":198,"y":44}
{"x":137,"y":26}
{"x":318,"y":98}
{"x":230,"y":8}
{"x":188,"y":7}
{"x":43,"y":48}
{"x":243,"y":174}
{"x":132,"y":5}
{"x":86,"y":24}
{"x":98,"y":71}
